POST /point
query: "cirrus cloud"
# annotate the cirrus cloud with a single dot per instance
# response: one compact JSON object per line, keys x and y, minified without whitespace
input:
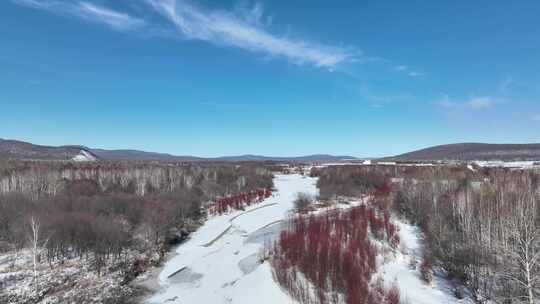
{"x":246,"y":31}
{"x":87,"y":11}
{"x":246,"y":27}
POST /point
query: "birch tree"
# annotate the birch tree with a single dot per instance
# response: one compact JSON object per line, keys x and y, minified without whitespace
{"x":520,"y":251}
{"x":36,"y":244}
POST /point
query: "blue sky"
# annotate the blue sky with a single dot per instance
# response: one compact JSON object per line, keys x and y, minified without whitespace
{"x":276,"y":78}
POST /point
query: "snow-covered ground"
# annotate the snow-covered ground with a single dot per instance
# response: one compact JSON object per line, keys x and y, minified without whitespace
{"x":220,"y":262}
{"x":512,"y":164}
{"x":398,"y":269}
{"x":73,"y":280}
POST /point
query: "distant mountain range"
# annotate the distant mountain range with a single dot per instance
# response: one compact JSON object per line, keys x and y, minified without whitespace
{"x":475,"y":151}
{"x":306,"y":158}
{"x":14,"y":149}
{"x":142,"y":155}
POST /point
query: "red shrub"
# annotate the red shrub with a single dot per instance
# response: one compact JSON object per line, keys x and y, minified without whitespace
{"x":392,"y":295}
{"x":238,"y":201}
{"x":383,"y":190}
{"x":333,"y":252}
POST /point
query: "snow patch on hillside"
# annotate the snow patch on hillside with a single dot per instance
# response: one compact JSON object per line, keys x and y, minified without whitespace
{"x":84,"y":156}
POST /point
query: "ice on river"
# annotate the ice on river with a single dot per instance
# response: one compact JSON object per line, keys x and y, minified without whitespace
{"x":220,"y":260}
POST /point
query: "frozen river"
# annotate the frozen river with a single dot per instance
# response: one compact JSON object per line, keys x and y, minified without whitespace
{"x":220,"y":264}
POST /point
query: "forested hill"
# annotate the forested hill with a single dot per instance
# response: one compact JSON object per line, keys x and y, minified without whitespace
{"x":475,"y":151}
{"x":20,"y":150}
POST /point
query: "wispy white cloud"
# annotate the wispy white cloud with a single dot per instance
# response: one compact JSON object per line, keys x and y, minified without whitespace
{"x":245,"y":27}
{"x":405,"y":69}
{"x":415,"y":74}
{"x":87,"y":11}
{"x":476,"y":103}
{"x":117,"y":20}
{"x":248,"y":31}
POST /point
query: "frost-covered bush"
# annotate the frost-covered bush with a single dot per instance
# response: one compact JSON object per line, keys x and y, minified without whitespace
{"x":302,"y":201}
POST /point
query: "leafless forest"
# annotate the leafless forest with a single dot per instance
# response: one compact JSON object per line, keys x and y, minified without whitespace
{"x":480,"y":225}
{"x":117,"y":218}
{"x":96,"y":227}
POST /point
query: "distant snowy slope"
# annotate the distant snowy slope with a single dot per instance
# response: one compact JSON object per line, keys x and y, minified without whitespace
{"x":84,"y":156}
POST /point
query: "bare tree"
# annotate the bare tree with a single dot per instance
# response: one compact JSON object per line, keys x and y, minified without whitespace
{"x":302,"y":201}
{"x":520,"y":250}
{"x":37,"y":245}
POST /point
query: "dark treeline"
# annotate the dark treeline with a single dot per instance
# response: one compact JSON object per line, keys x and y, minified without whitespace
{"x":481,"y":227}
{"x":87,"y":220}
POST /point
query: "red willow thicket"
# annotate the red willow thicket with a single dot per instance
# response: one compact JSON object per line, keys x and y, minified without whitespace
{"x":333,"y":252}
{"x":238,"y":201}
